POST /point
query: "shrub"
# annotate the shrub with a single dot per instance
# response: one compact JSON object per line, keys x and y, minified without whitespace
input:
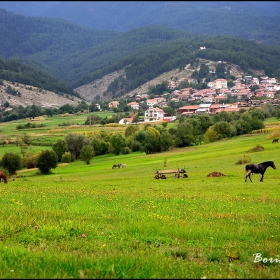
{"x":60,"y":147}
{"x":87,"y":153}
{"x":257,"y":148}
{"x":30,"y":159}
{"x":244,"y":160}
{"x":126,"y":150}
{"x":47,"y":160}
{"x":66,"y":157}
{"x":135,"y":146}
{"x":12,"y":162}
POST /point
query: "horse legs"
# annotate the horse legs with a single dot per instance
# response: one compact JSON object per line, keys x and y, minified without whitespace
{"x":261,"y":180}
{"x":248,"y":174}
{"x":250,"y":177}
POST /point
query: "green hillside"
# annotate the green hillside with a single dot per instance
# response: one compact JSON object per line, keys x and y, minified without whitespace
{"x":97,"y":222}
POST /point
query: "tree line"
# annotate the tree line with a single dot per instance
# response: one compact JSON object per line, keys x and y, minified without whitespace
{"x":190,"y":131}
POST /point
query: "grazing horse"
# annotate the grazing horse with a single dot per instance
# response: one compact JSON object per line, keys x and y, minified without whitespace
{"x":3,"y":177}
{"x":117,"y":165}
{"x":275,"y":141}
{"x":259,"y":168}
{"x":123,"y":165}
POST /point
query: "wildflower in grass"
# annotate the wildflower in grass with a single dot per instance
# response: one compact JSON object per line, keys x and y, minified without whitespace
{"x":24,"y":225}
{"x":35,"y":227}
{"x":83,"y":235}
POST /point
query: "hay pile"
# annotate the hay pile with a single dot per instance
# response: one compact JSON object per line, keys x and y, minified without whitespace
{"x":215,"y":174}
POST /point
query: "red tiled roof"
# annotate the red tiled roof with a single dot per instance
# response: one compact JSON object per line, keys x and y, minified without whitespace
{"x":189,"y":107}
{"x":227,"y":110}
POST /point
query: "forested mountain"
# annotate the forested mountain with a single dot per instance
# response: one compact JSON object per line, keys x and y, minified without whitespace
{"x":76,"y":55}
{"x":252,"y":20}
{"x":18,"y":72}
{"x":23,"y":36}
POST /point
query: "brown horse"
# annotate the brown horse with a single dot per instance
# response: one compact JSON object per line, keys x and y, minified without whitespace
{"x":275,"y":141}
{"x":3,"y":177}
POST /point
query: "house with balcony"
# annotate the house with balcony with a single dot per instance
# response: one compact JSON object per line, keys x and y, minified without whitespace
{"x":203,"y":109}
{"x":267,"y":80}
{"x":153,"y":114}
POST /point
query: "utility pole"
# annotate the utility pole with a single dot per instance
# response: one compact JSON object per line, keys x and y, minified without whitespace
{"x":89,"y":117}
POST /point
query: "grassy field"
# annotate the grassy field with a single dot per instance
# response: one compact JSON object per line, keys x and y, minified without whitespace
{"x":92,"y":221}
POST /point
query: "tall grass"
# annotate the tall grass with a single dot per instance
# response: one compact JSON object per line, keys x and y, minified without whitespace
{"x":92,"y":221}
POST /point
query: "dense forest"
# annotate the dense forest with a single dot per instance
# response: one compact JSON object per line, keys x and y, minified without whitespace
{"x":251,"y":20}
{"x":72,"y":55}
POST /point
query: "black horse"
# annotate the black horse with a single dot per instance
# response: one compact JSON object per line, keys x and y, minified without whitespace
{"x":259,"y":168}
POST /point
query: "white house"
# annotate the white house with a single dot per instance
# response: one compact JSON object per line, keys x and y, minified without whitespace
{"x":267,"y":80}
{"x":256,"y":81}
{"x":153,"y":114}
{"x":134,"y":105}
{"x":127,"y":120}
{"x":203,"y":109}
{"x":218,"y":83}
{"x":152,"y":102}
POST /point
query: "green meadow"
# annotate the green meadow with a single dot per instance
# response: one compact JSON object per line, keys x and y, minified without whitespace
{"x":92,"y":221}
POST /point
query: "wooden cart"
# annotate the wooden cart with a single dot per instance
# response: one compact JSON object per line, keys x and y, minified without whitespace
{"x":161,"y":174}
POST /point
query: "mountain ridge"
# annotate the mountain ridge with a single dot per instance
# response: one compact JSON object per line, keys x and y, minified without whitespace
{"x":126,"y":61}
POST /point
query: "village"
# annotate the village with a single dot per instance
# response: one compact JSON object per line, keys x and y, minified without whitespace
{"x":209,"y":101}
